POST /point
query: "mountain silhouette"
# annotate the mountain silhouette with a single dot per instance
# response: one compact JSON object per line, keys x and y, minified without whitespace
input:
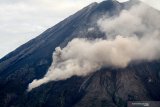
{"x":108,"y":87}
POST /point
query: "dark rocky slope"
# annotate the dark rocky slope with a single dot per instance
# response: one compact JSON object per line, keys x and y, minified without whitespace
{"x":105,"y":88}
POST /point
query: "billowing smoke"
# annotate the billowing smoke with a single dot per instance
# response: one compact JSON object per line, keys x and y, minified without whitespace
{"x":134,"y":35}
{"x":139,"y":21}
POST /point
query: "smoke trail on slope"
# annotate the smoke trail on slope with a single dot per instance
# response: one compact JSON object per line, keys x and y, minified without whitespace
{"x":132,"y":36}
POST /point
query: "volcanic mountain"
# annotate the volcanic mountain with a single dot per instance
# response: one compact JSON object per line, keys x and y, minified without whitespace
{"x":107,"y":87}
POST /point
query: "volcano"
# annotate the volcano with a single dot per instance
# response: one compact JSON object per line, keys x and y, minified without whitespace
{"x":107,"y":87}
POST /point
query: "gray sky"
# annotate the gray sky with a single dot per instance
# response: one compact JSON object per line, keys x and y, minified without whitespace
{"x":22,"y":20}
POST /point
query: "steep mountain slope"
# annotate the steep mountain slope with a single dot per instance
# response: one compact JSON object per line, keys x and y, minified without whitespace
{"x":108,"y":86}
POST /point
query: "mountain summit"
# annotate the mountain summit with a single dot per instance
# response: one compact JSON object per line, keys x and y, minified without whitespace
{"x":108,"y":87}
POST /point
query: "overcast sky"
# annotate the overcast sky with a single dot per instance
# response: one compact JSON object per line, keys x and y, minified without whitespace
{"x":22,"y":20}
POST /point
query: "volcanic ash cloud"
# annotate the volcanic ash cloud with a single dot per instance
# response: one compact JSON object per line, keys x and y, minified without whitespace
{"x":132,"y":36}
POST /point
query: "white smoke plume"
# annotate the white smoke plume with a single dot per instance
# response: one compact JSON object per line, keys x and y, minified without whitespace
{"x":134,"y":35}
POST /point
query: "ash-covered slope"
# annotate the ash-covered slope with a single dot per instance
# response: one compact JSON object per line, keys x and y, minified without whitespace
{"x":107,"y":87}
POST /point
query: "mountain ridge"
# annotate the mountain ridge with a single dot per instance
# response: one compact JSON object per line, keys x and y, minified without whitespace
{"x":106,"y":87}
